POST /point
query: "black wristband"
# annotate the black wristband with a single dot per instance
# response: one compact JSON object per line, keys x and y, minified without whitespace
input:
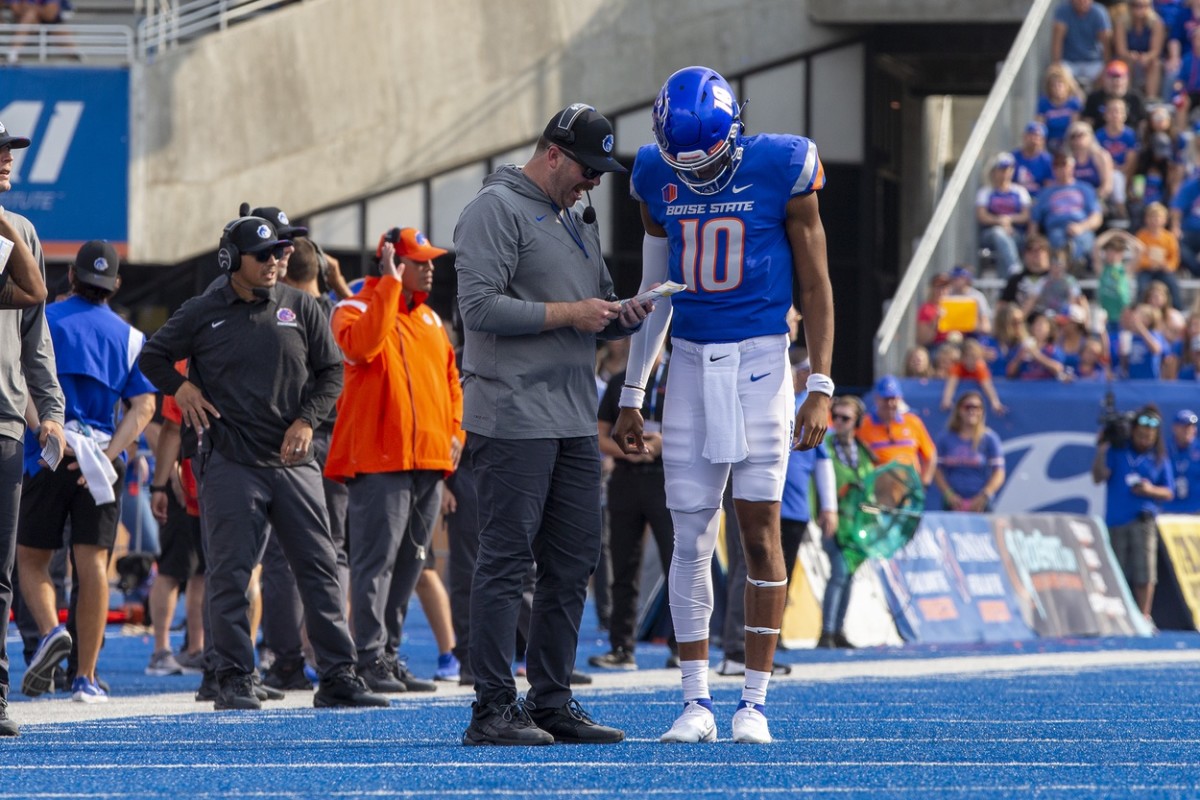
{"x":158,"y":489}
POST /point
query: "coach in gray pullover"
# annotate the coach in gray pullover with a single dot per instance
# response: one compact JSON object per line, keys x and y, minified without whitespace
{"x":534,"y":293}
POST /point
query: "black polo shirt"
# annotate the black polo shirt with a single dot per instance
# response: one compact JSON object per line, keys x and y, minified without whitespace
{"x":263,"y":364}
{"x":652,"y":411}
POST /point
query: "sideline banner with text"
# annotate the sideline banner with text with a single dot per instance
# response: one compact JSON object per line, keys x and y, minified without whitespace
{"x":1180,"y":536}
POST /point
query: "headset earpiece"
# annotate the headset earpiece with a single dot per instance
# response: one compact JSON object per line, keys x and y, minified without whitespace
{"x":562,"y":129}
{"x":229,"y":258}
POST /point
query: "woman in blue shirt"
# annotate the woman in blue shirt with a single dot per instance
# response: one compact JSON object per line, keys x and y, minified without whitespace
{"x":970,"y":468}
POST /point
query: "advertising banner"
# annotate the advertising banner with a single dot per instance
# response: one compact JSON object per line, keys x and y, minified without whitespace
{"x":1065,"y":576}
{"x":1180,"y":536}
{"x":72,"y":182}
{"x":949,"y":584}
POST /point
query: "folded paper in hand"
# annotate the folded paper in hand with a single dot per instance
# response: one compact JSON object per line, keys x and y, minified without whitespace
{"x":662,"y":290}
{"x":52,"y":453}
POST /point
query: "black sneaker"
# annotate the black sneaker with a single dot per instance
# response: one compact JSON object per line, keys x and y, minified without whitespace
{"x":411,"y":682}
{"x":840,"y":640}
{"x":380,"y":677}
{"x":237,"y":692}
{"x":346,"y":689}
{"x":210,"y":687}
{"x":287,"y":676}
{"x":580,"y":678}
{"x":262,"y":691}
{"x":570,"y":724}
{"x":619,"y":658}
{"x":504,"y":724}
{"x":826,"y":642}
{"x":7,"y":726}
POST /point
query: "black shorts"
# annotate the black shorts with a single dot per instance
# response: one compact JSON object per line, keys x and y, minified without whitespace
{"x":182,"y":555}
{"x":49,"y":499}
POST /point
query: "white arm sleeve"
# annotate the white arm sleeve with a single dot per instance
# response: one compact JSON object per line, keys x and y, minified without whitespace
{"x":826,"y":485}
{"x":645,"y":344}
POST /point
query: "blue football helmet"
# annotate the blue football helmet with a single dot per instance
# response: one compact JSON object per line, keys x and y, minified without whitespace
{"x":698,"y":127}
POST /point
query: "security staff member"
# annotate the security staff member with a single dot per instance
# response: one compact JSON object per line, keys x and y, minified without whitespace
{"x":263,"y":371}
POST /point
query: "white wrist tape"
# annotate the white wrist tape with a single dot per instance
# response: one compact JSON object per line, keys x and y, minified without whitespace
{"x":821,"y":384}
{"x":632,"y":397}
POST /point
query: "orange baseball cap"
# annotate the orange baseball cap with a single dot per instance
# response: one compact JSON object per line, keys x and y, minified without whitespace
{"x":409,"y":243}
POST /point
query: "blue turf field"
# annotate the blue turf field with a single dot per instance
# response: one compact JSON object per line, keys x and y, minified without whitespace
{"x":1115,"y":731}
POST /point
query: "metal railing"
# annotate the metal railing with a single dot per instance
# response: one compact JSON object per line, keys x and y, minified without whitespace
{"x":43,"y":43}
{"x":951,"y":234}
{"x":170,"y":23}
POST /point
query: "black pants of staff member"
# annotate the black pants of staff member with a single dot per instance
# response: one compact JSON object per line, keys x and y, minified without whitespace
{"x":11,"y":466}
{"x":539,"y":501}
{"x":237,"y":502}
{"x":637,"y":496}
{"x":282,"y":611}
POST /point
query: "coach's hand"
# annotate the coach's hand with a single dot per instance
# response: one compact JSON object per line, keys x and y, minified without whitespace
{"x":194,"y":407}
{"x":593,"y":314}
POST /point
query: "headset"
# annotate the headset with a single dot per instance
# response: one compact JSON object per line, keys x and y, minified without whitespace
{"x":562,"y":130}
{"x":860,"y":408}
{"x":229,"y":257}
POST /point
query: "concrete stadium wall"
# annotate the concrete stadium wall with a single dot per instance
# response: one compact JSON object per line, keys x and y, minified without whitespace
{"x":328,"y":100}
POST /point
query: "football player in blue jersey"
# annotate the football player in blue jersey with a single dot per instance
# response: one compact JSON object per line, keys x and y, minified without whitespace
{"x":736,"y":219}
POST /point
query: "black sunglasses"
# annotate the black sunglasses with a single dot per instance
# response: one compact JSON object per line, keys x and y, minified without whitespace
{"x":971,"y":407}
{"x":842,"y":418}
{"x":589,"y":173}
{"x":263,"y":256}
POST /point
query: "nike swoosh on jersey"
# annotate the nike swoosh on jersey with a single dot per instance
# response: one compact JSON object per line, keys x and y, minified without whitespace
{"x":718,"y":358}
{"x":218,"y":323}
{"x":740,"y":189}
{"x":756,"y":378}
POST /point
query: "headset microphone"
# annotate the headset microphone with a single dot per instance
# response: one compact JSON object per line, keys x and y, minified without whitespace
{"x":589,"y":213}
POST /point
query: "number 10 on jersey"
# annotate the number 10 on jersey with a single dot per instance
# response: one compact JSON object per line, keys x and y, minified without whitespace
{"x":713,"y":251}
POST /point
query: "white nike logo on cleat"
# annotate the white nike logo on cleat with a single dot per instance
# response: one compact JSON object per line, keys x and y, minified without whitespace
{"x":739,"y":189}
{"x":218,"y":323}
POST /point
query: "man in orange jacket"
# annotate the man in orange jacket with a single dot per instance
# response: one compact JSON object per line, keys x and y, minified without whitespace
{"x":394,"y":440}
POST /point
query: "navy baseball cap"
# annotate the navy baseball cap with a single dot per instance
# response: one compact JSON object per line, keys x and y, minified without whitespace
{"x":1186,"y":417}
{"x":15,"y":142}
{"x":888,"y":386}
{"x":97,"y":264}
{"x":255,"y":234}
{"x":283,"y":227}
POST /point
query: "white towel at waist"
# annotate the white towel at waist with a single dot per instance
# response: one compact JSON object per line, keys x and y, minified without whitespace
{"x":97,"y":470}
{"x":725,"y":427}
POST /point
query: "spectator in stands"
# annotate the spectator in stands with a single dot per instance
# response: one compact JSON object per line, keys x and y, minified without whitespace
{"x":1059,"y":289}
{"x":1160,"y":259}
{"x":1010,"y":334}
{"x":1093,"y":362}
{"x":95,"y":351}
{"x":1183,"y":449}
{"x":971,"y":366}
{"x":1073,"y":337}
{"x":1139,"y":39}
{"x":1023,"y":288}
{"x":1058,"y":105}
{"x":1184,"y":361}
{"x":852,"y":462}
{"x":1081,"y":38}
{"x":1141,"y":345}
{"x":1158,"y":296}
{"x":930,"y":333}
{"x":1034,"y":168}
{"x":970,"y":467}
{"x":1002,"y":211}
{"x":1039,"y":357}
{"x":971,"y":304}
{"x":1114,"y":85}
{"x":33,"y":12}
{"x":1115,"y":251}
{"x":1121,"y":143}
{"x":1155,"y":176}
{"x":917,"y":363}
{"x":947,"y":356}
{"x":1139,"y":478}
{"x":1093,"y":164}
{"x":1185,"y":223}
{"x":1187,"y":84}
{"x":893,"y":434}
{"x":1068,"y":212}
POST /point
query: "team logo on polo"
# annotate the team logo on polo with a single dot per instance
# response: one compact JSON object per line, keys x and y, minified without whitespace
{"x":607,"y":143}
{"x":100,"y":264}
{"x":286,"y":316}
{"x":264,"y":232}
{"x":670,"y":193}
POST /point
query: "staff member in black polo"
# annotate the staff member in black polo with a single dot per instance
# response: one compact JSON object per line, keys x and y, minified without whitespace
{"x":263,"y":371}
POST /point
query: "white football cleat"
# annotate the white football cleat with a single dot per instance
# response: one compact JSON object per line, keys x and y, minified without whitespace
{"x":695,"y":724}
{"x":750,"y":726}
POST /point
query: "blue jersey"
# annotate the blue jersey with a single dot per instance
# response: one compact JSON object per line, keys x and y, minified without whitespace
{"x":1033,"y":172}
{"x":1127,"y":468}
{"x":1119,"y":146}
{"x":1186,"y":463}
{"x":731,"y":248}
{"x":96,"y":355}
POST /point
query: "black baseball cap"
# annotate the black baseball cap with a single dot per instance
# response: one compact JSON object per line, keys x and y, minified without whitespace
{"x":587,"y":133}
{"x":255,"y":234}
{"x":96,"y":264}
{"x":283,"y":227}
{"x":15,"y":142}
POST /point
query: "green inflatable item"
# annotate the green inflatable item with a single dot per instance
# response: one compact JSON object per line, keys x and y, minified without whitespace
{"x":880,"y":515}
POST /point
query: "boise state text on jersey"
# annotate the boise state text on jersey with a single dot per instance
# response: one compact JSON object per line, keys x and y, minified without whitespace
{"x":731,"y":248}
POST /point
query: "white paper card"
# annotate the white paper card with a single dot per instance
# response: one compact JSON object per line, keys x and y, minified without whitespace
{"x":662,"y":290}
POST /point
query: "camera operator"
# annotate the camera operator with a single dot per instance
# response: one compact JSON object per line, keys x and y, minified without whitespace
{"x":1139,"y":479}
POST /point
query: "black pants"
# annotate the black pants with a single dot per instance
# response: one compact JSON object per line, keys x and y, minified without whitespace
{"x":11,"y":466}
{"x":636,"y":497}
{"x":539,"y":502}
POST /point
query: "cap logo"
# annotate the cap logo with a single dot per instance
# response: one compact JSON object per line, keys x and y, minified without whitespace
{"x":283,"y":220}
{"x":421,"y":238}
{"x":607,"y":143}
{"x":264,"y":232}
{"x":100,"y":264}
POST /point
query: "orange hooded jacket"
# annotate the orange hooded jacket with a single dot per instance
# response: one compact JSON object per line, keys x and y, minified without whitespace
{"x":402,"y":401}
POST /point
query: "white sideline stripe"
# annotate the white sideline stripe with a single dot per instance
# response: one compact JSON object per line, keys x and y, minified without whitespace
{"x":607,"y":792}
{"x":622,"y":765}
